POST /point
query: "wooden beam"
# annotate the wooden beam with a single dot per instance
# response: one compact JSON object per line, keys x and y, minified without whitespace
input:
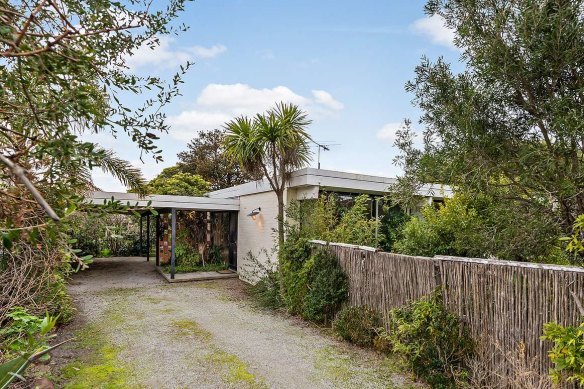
{"x":172,"y":242}
{"x":158,"y":240}
{"x":148,"y":237}
{"x":140,"y":249}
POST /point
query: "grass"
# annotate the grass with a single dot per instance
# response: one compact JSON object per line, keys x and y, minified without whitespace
{"x":340,"y":367}
{"x":99,"y":366}
{"x":235,"y":371}
{"x":191,"y":328}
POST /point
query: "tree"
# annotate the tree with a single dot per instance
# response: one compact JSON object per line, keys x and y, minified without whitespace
{"x":206,"y":157}
{"x":274,"y":144}
{"x":178,"y":184}
{"x":510,"y":126}
{"x":64,"y":73}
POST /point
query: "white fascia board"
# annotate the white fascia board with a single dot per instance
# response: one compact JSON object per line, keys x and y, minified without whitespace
{"x":165,"y":201}
{"x":248,"y":188}
{"x":333,"y":181}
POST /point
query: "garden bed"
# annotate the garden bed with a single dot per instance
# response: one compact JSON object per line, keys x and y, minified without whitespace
{"x":196,"y":275}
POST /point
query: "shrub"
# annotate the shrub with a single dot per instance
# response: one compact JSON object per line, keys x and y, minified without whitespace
{"x":24,"y":332}
{"x":265,"y":279}
{"x":451,"y":229}
{"x":294,"y":270}
{"x":567,"y":354}
{"x":356,"y":226}
{"x":186,"y":256}
{"x":432,"y":340}
{"x":391,"y":227}
{"x":55,"y":298}
{"x":325,"y":219}
{"x":327,"y":287}
{"x":357,"y":325}
{"x":266,"y":291}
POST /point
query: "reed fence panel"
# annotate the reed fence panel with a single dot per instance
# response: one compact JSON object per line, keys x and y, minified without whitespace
{"x":505,"y":304}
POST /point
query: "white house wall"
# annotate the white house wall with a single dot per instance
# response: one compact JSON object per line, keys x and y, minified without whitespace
{"x":257,"y":236}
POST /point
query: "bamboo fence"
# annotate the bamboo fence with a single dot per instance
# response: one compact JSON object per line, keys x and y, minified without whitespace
{"x":505,"y":304}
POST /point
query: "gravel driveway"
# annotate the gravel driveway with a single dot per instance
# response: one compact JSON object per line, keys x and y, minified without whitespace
{"x":134,"y":330}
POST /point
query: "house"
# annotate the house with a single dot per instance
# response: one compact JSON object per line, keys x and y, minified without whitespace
{"x":258,"y":205}
{"x":243,"y":219}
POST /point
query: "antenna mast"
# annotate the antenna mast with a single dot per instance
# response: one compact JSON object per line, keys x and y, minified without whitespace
{"x":324,"y":147}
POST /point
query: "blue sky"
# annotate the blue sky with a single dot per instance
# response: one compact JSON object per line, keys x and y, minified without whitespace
{"x":345,"y":62}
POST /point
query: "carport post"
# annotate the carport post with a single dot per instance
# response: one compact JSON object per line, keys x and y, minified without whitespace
{"x":140,"y":249}
{"x":172,"y":241}
{"x":148,"y":237}
{"x":158,"y":240}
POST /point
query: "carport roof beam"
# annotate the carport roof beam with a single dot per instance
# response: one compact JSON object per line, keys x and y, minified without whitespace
{"x":190,"y":203}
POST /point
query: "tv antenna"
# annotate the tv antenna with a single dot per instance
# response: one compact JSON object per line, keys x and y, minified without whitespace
{"x":324,"y":147}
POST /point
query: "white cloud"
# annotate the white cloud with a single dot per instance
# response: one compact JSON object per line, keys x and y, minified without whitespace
{"x":208,"y":52}
{"x":219,"y":103}
{"x":186,"y":125}
{"x":434,"y":28}
{"x":326,"y":99}
{"x":241,"y":99}
{"x":165,"y":55}
{"x":388,"y":132}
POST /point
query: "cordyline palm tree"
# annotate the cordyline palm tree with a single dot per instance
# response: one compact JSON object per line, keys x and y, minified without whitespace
{"x":274,"y":144}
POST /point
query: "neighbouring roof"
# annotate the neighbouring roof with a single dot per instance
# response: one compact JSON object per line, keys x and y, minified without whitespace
{"x":333,"y":181}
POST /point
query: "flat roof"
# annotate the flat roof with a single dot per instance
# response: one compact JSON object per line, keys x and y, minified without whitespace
{"x":166,"y":202}
{"x":331,"y":180}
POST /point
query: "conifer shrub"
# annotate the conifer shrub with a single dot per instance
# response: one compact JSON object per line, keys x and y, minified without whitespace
{"x":358,"y":325}
{"x":327,"y":287}
{"x":294,"y":269}
{"x":433,"y":341}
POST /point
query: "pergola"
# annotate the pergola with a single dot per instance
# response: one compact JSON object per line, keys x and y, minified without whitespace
{"x":165,"y":204}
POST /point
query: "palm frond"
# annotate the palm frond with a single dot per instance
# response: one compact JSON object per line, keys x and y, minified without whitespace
{"x":124,"y":171}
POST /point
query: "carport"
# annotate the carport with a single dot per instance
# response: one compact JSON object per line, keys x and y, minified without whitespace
{"x":168,"y":206}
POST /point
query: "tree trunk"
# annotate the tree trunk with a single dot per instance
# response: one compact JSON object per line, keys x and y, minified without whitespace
{"x":280,"y":196}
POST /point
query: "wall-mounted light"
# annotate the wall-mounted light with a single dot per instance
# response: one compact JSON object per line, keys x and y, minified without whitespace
{"x":254,"y":213}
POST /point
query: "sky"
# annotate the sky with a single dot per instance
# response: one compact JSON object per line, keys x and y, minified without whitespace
{"x":344,"y":62}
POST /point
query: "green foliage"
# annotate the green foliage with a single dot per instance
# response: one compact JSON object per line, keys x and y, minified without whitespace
{"x":328,"y":287}
{"x":355,"y":226}
{"x":325,"y":219}
{"x":391,"y":227}
{"x":357,"y":325}
{"x":313,"y":218}
{"x":55,"y":298}
{"x":567,"y":353}
{"x":273,"y":144}
{"x":265,"y":279}
{"x":178,"y":184}
{"x":206,"y":157}
{"x":294,"y":267}
{"x":307,"y":282}
{"x":215,"y":253}
{"x":432,"y":340}
{"x":574,"y":244}
{"x":25,"y":333}
{"x":509,"y":125}
{"x":450,"y":229}
{"x":186,"y":255}
{"x":15,"y":367}
{"x":64,"y":74}
{"x":475,"y":225}
{"x":266,"y":291}
{"x":196,"y":268}
{"x":104,"y":235}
